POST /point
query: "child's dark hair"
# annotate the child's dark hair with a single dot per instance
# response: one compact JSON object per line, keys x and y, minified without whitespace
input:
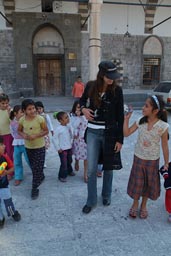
{"x":15,"y":110}
{"x":1,"y":140}
{"x":73,"y":110}
{"x":4,"y":97}
{"x":39,"y":104}
{"x":26,"y":103}
{"x":157,"y":103}
{"x":60,"y":115}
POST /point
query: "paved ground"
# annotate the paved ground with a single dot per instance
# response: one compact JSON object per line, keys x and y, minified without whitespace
{"x":53,"y":225}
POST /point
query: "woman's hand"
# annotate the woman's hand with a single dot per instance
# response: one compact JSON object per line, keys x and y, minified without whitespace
{"x":118,"y":147}
{"x":88,"y":113}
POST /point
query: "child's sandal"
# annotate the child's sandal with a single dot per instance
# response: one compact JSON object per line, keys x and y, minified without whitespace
{"x":133,"y":213}
{"x":143,"y":214}
{"x":17,"y":182}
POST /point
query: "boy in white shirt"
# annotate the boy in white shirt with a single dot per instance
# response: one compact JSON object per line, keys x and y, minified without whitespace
{"x":64,"y":145}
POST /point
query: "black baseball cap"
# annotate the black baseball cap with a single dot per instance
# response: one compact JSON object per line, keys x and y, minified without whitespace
{"x":109,"y":69}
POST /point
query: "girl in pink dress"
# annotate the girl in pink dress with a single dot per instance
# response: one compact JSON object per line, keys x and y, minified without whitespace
{"x":79,"y":124}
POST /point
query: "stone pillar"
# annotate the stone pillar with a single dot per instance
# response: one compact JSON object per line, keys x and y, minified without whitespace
{"x":94,"y":37}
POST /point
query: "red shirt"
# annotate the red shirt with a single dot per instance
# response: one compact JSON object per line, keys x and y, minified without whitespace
{"x":78,"y":89}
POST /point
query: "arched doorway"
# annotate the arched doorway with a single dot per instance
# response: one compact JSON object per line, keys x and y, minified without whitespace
{"x":48,"y":52}
{"x":152,"y":54}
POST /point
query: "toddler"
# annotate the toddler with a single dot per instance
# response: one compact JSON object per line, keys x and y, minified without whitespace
{"x":64,"y":146}
{"x":5,"y":193}
{"x":167,"y":184}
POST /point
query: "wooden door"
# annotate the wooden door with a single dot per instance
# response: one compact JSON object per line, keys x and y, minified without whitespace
{"x":49,"y":77}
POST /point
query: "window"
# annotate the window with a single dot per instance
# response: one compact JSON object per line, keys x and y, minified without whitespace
{"x":151,"y":71}
{"x":47,"y":6}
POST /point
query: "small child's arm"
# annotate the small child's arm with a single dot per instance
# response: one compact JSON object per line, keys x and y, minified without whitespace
{"x":49,"y":124}
{"x":8,"y":164}
{"x":164,"y":172}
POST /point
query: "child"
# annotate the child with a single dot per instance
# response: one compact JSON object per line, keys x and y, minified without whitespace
{"x":18,"y":143}
{"x":144,"y":180}
{"x":5,"y":193}
{"x":5,"y":125}
{"x":64,"y":146}
{"x":167,"y":184}
{"x":78,"y":88}
{"x":33,"y":128}
{"x":79,"y":124}
{"x":40,"y":110}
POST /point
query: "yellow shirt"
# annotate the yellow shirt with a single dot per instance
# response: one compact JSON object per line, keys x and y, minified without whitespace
{"x":32,"y":127}
{"x":4,"y":122}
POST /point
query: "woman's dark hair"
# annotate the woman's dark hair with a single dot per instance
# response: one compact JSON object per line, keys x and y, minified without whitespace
{"x":4,"y":97}
{"x":74,"y":106}
{"x":162,"y":113}
{"x":98,"y":88}
{"x":60,"y":115}
{"x":15,"y":110}
{"x":26,"y":103}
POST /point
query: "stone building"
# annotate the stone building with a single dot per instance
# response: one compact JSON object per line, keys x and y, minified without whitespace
{"x":45,"y":43}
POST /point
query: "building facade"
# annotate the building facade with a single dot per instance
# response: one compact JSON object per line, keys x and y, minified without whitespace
{"x":45,"y":43}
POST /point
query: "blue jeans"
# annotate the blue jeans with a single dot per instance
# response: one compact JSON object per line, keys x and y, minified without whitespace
{"x":95,"y":144}
{"x":5,"y":196}
{"x":18,"y":164}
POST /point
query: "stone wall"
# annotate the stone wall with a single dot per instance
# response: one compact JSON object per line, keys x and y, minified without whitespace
{"x":7,"y":62}
{"x":25,"y":27}
{"x":129,"y":52}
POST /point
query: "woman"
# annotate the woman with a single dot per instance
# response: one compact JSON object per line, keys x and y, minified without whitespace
{"x":102,"y":105}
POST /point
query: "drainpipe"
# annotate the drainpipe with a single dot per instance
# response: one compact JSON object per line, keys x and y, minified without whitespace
{"x":94,"y":37}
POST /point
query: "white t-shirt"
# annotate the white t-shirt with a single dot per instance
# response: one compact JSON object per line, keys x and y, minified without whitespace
{"x":147,"y":146}
{"x":64,"y":137}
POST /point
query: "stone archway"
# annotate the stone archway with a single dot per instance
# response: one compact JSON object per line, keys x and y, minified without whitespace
{"x":48,"y":52}
{"x":152,"y":54}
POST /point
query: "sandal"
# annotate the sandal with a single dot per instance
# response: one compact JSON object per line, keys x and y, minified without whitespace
{"x":17,"y":182}
{"x":133,"y":213}
{"x":143,"y":214}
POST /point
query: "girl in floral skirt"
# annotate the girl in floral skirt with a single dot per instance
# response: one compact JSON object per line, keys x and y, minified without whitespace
{"x":79,"y":124}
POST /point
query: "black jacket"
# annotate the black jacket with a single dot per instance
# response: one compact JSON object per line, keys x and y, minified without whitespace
{"x":114,"y":118}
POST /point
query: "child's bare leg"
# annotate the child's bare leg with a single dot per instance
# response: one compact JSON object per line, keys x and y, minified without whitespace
{"x":134,"y":209}
{"x":76,"y":165}
{"x":143,"y":208}
{"x":85,"y":171}
{"x":135,"y":204}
